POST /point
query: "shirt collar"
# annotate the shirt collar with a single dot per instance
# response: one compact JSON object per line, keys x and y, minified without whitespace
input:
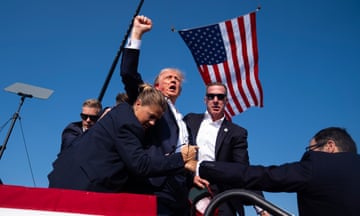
{"x":208,"y":118}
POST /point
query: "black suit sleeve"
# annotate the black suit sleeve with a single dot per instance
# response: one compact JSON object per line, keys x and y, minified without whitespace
{"x":129,"y":75}
{"x":289,"y":177}
{"x":69,"y":134}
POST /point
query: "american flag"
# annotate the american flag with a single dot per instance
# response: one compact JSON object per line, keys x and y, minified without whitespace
{"x":227,"y":52}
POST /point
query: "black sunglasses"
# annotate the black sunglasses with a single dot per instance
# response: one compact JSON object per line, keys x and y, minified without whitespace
{"x":92,"y":117}
{"x":315,"y":146}
{"x":212,"y":96}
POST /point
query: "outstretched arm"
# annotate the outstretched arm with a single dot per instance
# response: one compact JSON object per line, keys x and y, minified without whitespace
{"x":130,"y":59}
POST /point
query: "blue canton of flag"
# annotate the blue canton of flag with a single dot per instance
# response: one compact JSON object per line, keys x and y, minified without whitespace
{"x":206,"y":44}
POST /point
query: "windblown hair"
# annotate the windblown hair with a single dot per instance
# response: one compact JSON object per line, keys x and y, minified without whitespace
{"x":151,"y":96}
{"x":340,"y":136}
{"x":179,"y":72}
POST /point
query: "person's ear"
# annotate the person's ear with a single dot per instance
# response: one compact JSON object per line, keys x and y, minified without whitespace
{"x":331,"y":147}
{"x":156,"y":86}
{"x":137,"y":104}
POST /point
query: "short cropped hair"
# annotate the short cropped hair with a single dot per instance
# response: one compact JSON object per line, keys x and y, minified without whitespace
{"x":340,"y":136}
{"x":93,"y":103}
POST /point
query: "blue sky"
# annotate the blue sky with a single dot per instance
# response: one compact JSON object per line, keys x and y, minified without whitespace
{"x":308,"y":68}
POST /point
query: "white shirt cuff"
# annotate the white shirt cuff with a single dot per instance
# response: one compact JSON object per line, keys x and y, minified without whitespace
{"x":133,"y":44}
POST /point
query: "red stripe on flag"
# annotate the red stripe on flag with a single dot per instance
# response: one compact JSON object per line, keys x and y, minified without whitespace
{"x":241,"y":23}
{"x":235,"y":69}
{"x":259,"y":101}
{"x":204,"y":72}
{"x":231,"y":90}
{"x":217,"y":73}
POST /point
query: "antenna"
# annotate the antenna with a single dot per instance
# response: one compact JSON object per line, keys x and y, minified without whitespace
{"x":25,"y":91}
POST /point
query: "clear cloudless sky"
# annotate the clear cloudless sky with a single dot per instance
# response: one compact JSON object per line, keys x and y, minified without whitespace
{"x":308,"y":67}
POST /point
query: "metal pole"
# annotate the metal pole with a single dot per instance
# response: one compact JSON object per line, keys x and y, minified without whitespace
{"x":14,"y":118}
{"x":248,"y":196}
{"x":116,"y":59}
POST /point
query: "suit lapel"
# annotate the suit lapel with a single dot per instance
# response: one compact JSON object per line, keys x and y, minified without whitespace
{"x":223,"y":130}
{"x":173,"y":131}
{"x":196,"y":126}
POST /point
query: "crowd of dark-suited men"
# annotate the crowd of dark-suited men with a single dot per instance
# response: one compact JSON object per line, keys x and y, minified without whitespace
{"x":144,"y":145}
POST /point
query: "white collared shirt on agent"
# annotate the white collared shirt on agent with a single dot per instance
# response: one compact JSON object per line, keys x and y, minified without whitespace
{"x":206,"y":138}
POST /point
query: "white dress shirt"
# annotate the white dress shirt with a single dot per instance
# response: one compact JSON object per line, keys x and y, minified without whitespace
{"x":183,"y":137}
{"x":206,"y":138}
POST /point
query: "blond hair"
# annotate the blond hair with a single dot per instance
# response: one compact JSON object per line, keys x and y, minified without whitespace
{"x":151,"y":96}
{"x":93,"y":103}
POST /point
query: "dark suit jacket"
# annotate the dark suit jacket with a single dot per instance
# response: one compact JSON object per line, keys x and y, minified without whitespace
{"x":70,"y":133}
{"x":166,"y":128}
{"x":163,"y":138}
{"x":325,"y":183}
{"x":231,"y":145}
{"x":103,"y":157}
{"x":231,"y":142}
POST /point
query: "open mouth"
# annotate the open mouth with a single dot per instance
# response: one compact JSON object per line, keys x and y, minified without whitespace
{"x":172,"y":87}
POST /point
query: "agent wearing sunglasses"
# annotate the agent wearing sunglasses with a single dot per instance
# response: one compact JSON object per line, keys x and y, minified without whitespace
{"x":102,"y":159}
{"x":90,"y":112}
{"x":326,"y":179}
{"x":218,"y":140}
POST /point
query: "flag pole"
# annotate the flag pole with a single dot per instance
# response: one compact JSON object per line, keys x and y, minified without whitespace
{"x":173,"y":29}
{"x":116,"y":59}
